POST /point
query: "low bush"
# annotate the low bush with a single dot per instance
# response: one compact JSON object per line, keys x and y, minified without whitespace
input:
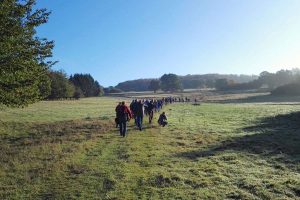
{"x":292,"y":89}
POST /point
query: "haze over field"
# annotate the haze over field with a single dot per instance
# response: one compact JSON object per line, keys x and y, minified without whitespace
{"x":145,"y":39}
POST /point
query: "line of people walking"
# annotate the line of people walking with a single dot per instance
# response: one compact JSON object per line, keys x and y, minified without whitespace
{"x":138,"y":109}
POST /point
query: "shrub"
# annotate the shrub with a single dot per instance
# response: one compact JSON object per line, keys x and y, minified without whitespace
{"x":291,"y":89}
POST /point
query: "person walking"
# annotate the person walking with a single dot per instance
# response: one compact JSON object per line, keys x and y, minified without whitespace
{"x":117,"y":119}
{"x":150,"y":108}
{"x":123,"y":115}
{"x":133,"y":108}
{"x":139,"y":114}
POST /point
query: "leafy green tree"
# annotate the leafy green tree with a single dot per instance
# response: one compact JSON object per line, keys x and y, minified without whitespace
{"x":70,"y":89}
{"x":87,"y":84}
{"x":45,"y":86}
{"x":267,"y":79}
{"x":61,"y":87}
{"x":23,"y":56}
{"x":291,"y":89}
{"x":111,"y":90}
{"x":154,"y":85}
{"x":99,"y":90}
{"x":221,"y":84}
{"x":210,"y":83}
{"x":283,"y":77}
{"x":170,"y":82}
{"x":134,"y":85}
{"x":78,"y":93}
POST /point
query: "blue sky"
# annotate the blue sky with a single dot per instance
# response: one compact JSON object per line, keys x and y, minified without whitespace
{"x":118,"y":40}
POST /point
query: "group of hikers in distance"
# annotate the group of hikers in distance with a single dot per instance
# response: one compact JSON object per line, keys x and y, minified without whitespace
{"x":138,"y":109}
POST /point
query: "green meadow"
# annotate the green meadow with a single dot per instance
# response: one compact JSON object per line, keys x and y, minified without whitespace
{"x":72,"y":150}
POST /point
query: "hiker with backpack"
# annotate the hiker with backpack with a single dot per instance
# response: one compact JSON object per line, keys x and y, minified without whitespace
{"x":123,"y":115}
{"x":116,"y":119}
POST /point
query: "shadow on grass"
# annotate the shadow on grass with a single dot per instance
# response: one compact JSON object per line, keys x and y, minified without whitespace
{"x":273,"y":137}
{"x":57,"y":132}
{"x":267,"y":99}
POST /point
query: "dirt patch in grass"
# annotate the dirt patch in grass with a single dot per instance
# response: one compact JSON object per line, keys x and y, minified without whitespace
{"x":162,"y":181}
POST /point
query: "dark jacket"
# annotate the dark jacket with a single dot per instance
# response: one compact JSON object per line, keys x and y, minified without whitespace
{"x":162,"y":118}
{"x":139,"y":109}
{"x":123,"y":113}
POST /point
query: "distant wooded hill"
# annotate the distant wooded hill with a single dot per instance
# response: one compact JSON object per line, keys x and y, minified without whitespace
{"x":188,"y":81}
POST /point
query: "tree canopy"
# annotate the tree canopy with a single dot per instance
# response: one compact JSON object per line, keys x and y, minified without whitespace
{"x":61,"y":87}
{"x":111,"y":90}
{"x":154,"y":85}
{"x":134,"y":85}
{"x":188,"y":81}
{"x":267,"y":80}
{"x":87,"y":85}
{"x":170,"y":82}
{"x":23,"y":56}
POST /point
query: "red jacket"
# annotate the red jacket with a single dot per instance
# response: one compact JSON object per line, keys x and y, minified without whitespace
{"x":122,"y":111}
{"x":128,"y":111}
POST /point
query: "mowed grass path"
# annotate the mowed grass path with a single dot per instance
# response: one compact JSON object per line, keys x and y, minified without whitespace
{"x":71,"y":150}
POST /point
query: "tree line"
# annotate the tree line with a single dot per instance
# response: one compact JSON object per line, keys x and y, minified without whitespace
{"x":25,"y":60}
{"x":168,"y":82}
{"x":280,"y":82}
{"x":26,"y":76}
{"x":187,"y":82}
{"x":266,"y":80}
{"x":75,"y":86}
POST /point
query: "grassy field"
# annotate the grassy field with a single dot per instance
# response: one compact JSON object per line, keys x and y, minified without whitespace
{"x":71,"y":150}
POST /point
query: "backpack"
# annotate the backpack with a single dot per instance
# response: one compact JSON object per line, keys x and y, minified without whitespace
{"x":122,"y":114}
